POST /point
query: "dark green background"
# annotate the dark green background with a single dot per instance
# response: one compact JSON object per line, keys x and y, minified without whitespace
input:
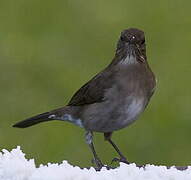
{"x":48,"y":49}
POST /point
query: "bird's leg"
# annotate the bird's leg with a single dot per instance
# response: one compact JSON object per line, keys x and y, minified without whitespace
{"x":122,"y":158}
{"x":89,"y":141}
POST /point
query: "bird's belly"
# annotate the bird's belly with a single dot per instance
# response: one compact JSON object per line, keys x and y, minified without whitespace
{"x":113,"y":115}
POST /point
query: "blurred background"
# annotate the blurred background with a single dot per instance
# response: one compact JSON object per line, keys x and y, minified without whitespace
{"x":48,"y":49}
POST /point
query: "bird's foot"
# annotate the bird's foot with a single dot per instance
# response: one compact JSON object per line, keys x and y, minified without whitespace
{"x":99,"y":165}
{"x":121,"y":159}
{"x":107,"y":167}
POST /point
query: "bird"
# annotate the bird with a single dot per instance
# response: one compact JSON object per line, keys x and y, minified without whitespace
{"x":113,"y":99}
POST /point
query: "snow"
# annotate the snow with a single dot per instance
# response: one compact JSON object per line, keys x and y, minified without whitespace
{"x":14,"y":166}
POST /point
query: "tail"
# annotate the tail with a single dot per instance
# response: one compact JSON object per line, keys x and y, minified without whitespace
{"x":47,"y":116}
{"x":33,"y":120}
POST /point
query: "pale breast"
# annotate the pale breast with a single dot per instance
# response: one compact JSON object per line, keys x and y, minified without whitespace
{"x":131,"y":109}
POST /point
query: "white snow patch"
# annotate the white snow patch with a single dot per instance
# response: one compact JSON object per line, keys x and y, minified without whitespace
{"x":14,"y":166}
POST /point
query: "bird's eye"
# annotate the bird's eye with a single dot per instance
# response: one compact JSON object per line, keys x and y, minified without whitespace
{"x":143,"y":41}
{"x":122,"y":38}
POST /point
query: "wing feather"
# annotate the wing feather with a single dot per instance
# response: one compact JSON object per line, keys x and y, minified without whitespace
{"x":93,"y":91}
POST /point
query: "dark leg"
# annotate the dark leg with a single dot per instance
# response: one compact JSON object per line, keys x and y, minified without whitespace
{"x":122,"y":157}
{"x":89,"y":141}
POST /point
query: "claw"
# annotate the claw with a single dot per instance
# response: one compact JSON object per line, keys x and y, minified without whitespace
{"x":107,"y":167}
{"x":122,"y":159}
{"x":115,"y":160}
{"x":98,"y":164}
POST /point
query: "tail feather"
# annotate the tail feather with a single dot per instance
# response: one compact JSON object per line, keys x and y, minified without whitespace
{"x":64,"y":114}
{"x":33,"y":120}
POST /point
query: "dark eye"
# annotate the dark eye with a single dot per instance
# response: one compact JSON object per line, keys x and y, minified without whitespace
{"x":122,"y":38}
{"x":143,"y":41}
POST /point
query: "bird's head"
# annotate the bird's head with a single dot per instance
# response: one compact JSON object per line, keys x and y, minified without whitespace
{"x":131,"y":44}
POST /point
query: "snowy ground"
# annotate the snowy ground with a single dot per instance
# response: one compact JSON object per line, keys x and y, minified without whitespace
{"x":14,"y":166}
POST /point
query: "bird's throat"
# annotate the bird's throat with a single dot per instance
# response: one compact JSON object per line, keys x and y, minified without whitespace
{"x":129,"y":59}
